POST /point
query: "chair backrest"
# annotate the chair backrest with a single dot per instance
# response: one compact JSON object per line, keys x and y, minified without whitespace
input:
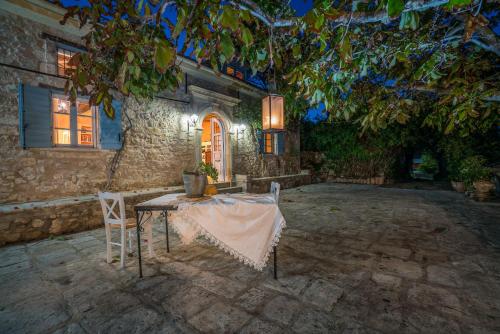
{"x":275,"y":190}
{"x":113,"y":207}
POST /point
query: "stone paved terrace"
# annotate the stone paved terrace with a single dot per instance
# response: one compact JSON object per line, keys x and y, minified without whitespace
{"x":354,"y":259}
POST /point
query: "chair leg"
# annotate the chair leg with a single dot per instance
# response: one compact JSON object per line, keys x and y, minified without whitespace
{"x":108,"y":243}
{"x":150,"y":240}
{"x":129,"y":237}
{"x":123,"y":245}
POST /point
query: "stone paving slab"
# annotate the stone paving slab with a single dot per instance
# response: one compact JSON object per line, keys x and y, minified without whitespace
{"x":353,"y":259}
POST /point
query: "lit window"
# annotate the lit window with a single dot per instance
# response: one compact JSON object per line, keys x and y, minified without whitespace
{"x":63,"y":58}
{"x":73,"y":125}
{"x":85,"y":124}
{"x":61,"y":109}
{"x":268,"y":143}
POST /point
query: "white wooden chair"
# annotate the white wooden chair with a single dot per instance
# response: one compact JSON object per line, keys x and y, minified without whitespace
{"x":275,"y":191}
{"x":110,"y":203}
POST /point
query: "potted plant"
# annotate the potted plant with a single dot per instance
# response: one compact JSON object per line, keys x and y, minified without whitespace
{"x":194,"y":183}
{"x":213,"y":176}
{"x":477,"y":177}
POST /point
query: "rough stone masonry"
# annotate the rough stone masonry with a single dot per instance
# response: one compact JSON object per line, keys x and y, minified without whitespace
{"x":44,"y":191}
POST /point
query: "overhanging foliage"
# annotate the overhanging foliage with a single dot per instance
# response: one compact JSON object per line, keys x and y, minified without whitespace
{"x":376,"y":62}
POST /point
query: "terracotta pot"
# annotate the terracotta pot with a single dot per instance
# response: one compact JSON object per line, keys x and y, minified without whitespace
{"x":210,"y":190}
{"x":483,"y":189}
{"x":458,"y":186}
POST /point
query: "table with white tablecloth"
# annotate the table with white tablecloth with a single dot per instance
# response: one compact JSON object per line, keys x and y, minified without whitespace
{"x":247,"y":226}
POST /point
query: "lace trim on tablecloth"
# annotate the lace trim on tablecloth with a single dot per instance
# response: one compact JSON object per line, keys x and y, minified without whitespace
{"x":237,"y":255}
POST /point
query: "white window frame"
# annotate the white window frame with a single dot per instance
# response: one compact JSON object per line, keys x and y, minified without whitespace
{"x":72,"y":52}
{"x":73,"y":120}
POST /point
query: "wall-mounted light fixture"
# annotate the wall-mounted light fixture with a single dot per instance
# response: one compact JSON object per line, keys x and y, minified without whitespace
{"x":238,"y":128}
{"x":190,"y":120}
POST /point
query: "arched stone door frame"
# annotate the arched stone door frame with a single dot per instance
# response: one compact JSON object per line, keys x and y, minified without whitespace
{"x":226,"y":122}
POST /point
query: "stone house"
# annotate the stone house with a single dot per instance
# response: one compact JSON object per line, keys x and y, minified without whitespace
{"x":55,"y":156}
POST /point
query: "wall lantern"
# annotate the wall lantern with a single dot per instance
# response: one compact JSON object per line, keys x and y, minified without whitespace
{"x":192,"y":120}
{"x":239,"y":128}
{"x":273,"y":110}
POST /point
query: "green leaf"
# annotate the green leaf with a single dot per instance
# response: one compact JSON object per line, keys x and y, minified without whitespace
{"x":130,"y":56}
{"x":181,"y":21}
{"x":345,"y":50}
{"x":229,"y":18}
{"x":164,"y":56}
{"x":227,"y":46}
{"x":459,"y":3}
{"x":246,"y":36}
{"x":395,"y":7}
{"x":245,"y":15}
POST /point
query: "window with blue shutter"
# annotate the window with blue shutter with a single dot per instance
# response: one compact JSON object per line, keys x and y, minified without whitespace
{"x":271,"y":143}
{"x":111,"y":129}
{"x":34,"y":117}
{"x":48,"y":118}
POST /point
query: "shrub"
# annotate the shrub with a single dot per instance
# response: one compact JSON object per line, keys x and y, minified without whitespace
{"x":429,"y":164}
{"x":473,"y":169}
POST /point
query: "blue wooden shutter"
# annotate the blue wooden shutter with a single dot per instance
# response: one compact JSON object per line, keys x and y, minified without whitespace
{"x":260,"y":141}
{"x":111,"y":129}
{"x":35,"y":116}
{"x":280,"y":136}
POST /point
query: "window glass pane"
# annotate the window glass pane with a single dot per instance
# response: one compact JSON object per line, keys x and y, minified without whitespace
{"x":85,"y":123}
{"x":61,"y":105}
{"x":85,"y":138}
{"x":268,"y":143}
{"x":62,"y":137}
{"x":61,"y":121}
{"x":83,"y":109}
{"x":63,"y":57}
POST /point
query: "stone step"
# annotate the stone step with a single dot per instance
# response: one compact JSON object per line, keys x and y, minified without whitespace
{"x":230,"y":190}
{"x":221,"y":185}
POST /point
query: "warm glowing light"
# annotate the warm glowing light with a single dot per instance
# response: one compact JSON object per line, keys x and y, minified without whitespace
{"x":191,"y":120}
{"x":273,"y":112}
{"x":239,"y":127}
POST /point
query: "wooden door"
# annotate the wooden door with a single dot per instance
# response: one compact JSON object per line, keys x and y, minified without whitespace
{"x":218,"y":147}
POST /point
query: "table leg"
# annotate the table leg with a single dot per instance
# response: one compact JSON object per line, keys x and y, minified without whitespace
{"x":275,"y":263}
{"x":166,"y":229}
{"x":138,"y":221}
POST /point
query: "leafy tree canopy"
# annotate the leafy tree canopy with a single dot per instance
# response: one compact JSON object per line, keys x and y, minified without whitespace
{"x":375,"y":62}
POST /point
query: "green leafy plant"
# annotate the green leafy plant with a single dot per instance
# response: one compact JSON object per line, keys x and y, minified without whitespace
{"x":208,"y":169}
{"x":473,"y":169}
{"x":339,"y":54}
{"x":429,"y":164}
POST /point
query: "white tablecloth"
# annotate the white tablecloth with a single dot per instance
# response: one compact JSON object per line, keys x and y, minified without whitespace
{"x":246,"y":226}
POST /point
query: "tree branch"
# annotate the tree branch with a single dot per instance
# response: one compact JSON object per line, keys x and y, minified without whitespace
{"x":379,"y":16}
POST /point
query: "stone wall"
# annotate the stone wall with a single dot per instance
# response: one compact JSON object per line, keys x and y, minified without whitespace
{"x":262,"y":185}
{"x":156,"y":151}
{"x":249,"y":161}
{"x":41,"y":222}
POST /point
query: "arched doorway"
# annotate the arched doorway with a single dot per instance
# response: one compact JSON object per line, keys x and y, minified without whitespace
{"x":213,"y":145}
